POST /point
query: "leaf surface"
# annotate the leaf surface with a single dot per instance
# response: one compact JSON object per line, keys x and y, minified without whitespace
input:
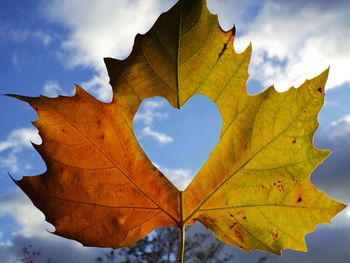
{"x":253,"y":192}
{"x":263,"y":197}
{"x":99,"y":187}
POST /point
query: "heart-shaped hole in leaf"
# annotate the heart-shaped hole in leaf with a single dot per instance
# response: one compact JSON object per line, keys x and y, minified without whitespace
{"x":178,"y":142}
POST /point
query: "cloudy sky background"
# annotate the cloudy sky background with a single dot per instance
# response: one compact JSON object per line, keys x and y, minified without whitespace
{"x":47,"y":46}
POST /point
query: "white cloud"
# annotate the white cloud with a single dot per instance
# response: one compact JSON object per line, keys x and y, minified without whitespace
{"x":30,"y":219}
{"x":52,"y":89}
{"x":180,"y":177}
{"x":20,"y":138}
{"x":22,"y":35}
{"x":99,"y":29}
{"x":344,"y":119}
{"x":333,"y":175}
{"x":99,"y":86}
{"x":14,"y":144}
{"x":147,"y":114}
{"x":34,"y":232}
{"x":340,"y":128}
{"x":161,"y":138}
{"x":17,"y":60}
{"x":19,"y":35}
{"x":292,"y":42}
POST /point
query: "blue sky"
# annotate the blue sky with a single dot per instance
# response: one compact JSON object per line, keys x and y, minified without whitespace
{"x":47,"y":46}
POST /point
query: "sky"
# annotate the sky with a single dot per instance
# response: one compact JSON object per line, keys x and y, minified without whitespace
{"x":47,"y":46}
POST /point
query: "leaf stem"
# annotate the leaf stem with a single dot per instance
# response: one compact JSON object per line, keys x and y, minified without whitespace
{"x":182,"y":231}
{"x":182,"y":244}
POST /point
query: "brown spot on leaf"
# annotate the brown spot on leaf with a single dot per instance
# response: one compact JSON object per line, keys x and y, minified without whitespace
{"x":280,"y":187}
{"x":239,"y":234}
{"x":319,"y":90}
{"x":300,"y":200}
{"x":294,"y":141}
{"x":231,"y":215}
{"x":244,"y":217}
{"x":275,"y":234}
{"x":233,"y":225}
{"x":102,"y":137}
{"x":240,"y":212}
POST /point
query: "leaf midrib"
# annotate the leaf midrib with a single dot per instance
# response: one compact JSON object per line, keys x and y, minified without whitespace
{"x":267,"y":205}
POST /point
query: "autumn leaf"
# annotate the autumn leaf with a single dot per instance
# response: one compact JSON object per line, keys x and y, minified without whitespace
{"x":253,"y":192}
{"x":99,"y":187}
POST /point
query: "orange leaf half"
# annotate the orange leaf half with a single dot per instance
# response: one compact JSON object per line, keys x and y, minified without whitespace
{"x":99,"y":188}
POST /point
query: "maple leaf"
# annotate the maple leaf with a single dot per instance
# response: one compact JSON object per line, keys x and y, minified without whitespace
{"x":253,"y":192}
